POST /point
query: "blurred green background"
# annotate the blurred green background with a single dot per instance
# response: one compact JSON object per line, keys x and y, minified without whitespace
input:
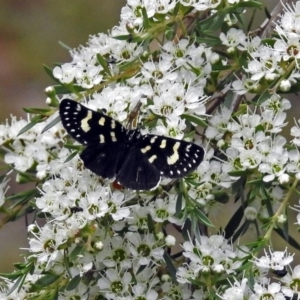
{"x":30,"y":31}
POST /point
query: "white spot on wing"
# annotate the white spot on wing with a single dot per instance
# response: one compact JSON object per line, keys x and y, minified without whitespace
{"x":84,"y":122}
{"x":113,"y":124}
{"x":102,"y":139}
{"x":113,"y":136}
{"x":78,"y":107}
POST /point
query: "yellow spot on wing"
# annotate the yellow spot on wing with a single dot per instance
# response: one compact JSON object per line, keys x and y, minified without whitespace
{"x":163,"y":144}
{"x":174,"y":157}
{"x":147,"y":148}
{"x":102,"y":121}
{"x":84,"y":122}
{"x":152,"y":159}
{"x":153,"y":139}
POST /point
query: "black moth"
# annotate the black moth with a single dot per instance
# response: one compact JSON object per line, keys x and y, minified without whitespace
{"x":136,"y":161}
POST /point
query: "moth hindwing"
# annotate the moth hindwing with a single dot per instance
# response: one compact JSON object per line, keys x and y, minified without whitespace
{"x":136,"y":161}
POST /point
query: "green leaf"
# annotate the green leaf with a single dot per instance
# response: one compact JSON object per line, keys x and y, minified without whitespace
{"x":73,"y":283}
{"x":122,"y":37}
{"x":64,"y":89}
{"x":260,"y":99}
{"x":46,"y":280}
{"x":150,"y":223}
{"x":187,"y":229}
{"x":200,"y":215}
{"x":194,"y":119}
{"x":34,"y":121}
{"x":12,"y":276}
{"x":24,"y":195}
{"x":146,"y":22}
{"x":169,"y":33}
{"x":172,"y":270}
{"x":103,"y":62}
{"x":75,"y":252}
{"x":33,"y":110}
{"x":176,"y":9}
{"x":178,"y":208}
{"x":73,"y":147}
{"x":18,"y":284}
{"x":49,"y":71}
{"x":221,"y":197}
{"x":70,"y":157}
{"x":240,"y":231}
{"x":51,"y":124}
{"x":240,"y":173}
{"x":65,"y":46}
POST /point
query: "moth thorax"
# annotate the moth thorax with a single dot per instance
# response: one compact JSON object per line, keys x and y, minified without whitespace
{"x":133,"y":135}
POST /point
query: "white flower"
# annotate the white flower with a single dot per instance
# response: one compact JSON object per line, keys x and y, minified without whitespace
{"x":158,"y":72}
{"x":133,"y":11}
{"x":45,"y":246}
{"x":275,"y":163}
{"x":276,"y":260}
{"x":218,"y":124}
{"x":144,"y":248}
{"x":276,"y":103}
{"x":114,"y":284}
{"x":290,"y":281}
{"x":233,"y":38}
{"x":65,"y":73}
{"x":115,"y":252}
{"x":144,"y":291}
{"x":172,"y":291}
{"x":237,"y":291}
{"x":170,"y":240}
{"x":162,"y":210}
{"x":271,"y":290}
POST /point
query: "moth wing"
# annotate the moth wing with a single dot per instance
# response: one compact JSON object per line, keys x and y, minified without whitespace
{"x":88,"y":126}
{"x":104,"y":159}
{"x":137,"y":173}
{"x":173,"y":158}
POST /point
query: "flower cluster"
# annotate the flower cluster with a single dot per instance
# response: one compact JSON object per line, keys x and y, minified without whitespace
{"x":30,"y":151}
{"x":103,"y":240}
{"x":268,"y":62}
